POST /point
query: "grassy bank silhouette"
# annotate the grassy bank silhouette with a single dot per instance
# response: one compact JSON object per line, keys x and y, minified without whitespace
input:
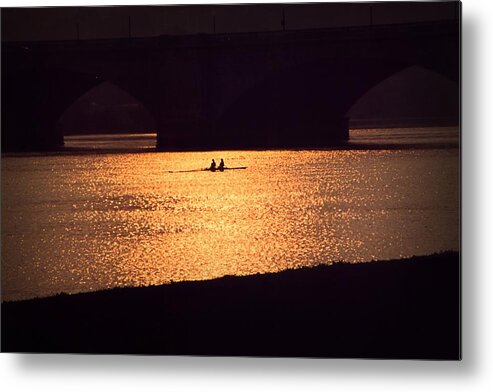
{"x":406,"y":308}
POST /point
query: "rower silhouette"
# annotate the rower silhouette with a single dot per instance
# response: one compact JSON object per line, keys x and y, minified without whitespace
{"x":221,"y":165}
{"x":213,"y":166}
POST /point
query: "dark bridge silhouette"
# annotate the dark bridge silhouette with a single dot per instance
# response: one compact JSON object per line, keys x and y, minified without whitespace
{"x":215,"y":91}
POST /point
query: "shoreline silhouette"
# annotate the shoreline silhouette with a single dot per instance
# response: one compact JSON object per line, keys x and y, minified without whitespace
{"x":407,"y":309}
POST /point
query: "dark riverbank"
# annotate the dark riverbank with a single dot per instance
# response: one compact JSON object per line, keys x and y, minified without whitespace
{"x":394,"y":309}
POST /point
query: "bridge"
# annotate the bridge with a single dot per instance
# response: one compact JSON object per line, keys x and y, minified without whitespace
{"x":217,"y":91}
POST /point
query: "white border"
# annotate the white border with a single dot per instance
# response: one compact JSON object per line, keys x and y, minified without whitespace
{"x":130,"y":373}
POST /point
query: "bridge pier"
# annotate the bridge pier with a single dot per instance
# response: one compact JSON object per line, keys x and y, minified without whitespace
{"x":325,"y":133}
{"x":29,"y":110}
{"x":23,"y":136}
{"x":200,"y":134}
{"x":25,"y":127}
{"x":186,"y":135}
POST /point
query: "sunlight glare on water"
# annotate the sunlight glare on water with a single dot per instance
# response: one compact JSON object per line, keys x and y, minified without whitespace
{"x":86,"y":222}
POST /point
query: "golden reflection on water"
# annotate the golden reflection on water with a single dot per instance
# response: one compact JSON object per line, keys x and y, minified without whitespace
{"x":79,"y":223}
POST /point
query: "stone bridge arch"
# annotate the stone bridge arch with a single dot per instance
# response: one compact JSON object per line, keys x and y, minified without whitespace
{"x":33,"y":100}
{"x":45,"y":94}
{"x":394,"y":99}
{"x":107,"y":107}
{"x":306,"y":105}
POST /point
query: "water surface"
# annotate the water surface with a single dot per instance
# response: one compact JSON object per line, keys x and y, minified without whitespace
{"x":85,"y":222}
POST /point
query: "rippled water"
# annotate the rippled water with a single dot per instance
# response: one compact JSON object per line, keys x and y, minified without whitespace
{"x":75,"y":223}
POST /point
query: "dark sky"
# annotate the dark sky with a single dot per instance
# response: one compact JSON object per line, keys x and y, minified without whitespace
{"x":27,"y":24}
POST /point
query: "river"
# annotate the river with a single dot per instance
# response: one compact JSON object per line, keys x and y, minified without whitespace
{"x":76,"y":222}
